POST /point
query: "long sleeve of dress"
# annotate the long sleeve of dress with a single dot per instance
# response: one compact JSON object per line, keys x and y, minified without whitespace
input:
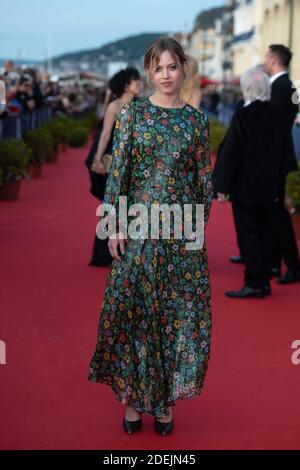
{"x":203,"y":179}
{"x":118,"y":178}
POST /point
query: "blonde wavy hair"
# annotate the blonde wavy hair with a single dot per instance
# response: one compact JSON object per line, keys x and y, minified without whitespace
{"x":191,"y":84}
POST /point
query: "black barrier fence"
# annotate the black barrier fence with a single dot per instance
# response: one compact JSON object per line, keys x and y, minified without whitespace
{"x":13,"y":127}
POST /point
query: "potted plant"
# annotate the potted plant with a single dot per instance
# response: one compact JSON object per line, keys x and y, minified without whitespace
{"x":42,"y":145}
{"x":217,"y":134}
{"x":68,"y":124}
{"x":90,"y":121}
{"x":78,"y":137}
{"x":14,"y":156}
{"x":37,"y":158}
{"x":293,"y":199}
{"x":59,"y":131}
{"x":51,"y":156}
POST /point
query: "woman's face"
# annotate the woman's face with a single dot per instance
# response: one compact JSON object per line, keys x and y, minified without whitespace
{"x":167,"y":75}
{"x":135,"y":87}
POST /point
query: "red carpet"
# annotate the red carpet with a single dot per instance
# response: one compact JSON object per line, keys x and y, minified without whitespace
{"x":50,"y":304}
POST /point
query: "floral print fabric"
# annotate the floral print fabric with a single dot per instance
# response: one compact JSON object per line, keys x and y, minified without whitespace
{"x":153,"y":339}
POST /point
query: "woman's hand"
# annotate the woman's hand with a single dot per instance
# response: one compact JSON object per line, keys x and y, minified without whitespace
{"x":114,"y":241}
{"x":98,"y":166}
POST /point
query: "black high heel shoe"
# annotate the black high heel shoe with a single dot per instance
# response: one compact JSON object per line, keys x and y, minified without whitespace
{"x":163,"y":428}
{"x":132,"y":426}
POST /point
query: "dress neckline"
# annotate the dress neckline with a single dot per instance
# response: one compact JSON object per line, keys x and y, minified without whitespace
{"x":163,"y":107}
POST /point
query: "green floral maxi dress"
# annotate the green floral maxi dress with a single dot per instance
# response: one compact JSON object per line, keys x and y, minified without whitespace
{"x":153,"y":339}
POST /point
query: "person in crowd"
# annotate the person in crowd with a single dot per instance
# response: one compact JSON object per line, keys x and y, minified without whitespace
{"x":37,"y":95}
{"x":23,"y":98}
{"x":239,"y":259}
{"x":154,"y":334}
{"x":277,"y":61}
{"x":10,"y":73}
{"x":9,"y":67}
{"x":248,"y":170}
{"x":124,"y":87}
{"x":2,"y":97}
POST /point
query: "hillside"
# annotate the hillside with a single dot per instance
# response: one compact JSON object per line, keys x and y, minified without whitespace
{"x":129,"y":49}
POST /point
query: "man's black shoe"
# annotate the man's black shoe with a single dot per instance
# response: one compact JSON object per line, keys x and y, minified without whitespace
{"x":237,"y":259}
{"x":291,"y":276}
{"x":247,"y":292}
{"x":275,"y":272}
{"x":268,"y":290}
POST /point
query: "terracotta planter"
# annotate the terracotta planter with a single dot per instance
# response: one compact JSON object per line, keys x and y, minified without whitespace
{"x":34,"y":170}
{"x":10,"y":190}
{"x":52,"y":158}
{"x":296,"y":223}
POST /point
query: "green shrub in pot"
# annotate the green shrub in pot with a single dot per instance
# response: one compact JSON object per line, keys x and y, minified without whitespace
{"x":293,"y":190}
{"x":78,"y":137}
{"x":217,"y":134}
{"x":41,"y":143}
{"x":14,"y":158}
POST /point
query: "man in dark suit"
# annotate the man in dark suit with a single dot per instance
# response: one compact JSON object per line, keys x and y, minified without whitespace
{"x":277,"y":62}
{"x":248,"y":169}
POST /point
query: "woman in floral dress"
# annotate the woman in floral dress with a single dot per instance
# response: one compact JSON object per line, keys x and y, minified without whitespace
{"x":153,"y":339}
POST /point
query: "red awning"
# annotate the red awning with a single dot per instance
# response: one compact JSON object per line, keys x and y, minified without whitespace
{"x":233,"y":81}
{"x":204,"y":81}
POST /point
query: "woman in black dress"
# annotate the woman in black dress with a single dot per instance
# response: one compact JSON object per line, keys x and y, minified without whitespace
{"x":125,"y":86}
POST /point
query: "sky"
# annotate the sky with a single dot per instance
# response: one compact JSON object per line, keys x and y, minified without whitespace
{"x":30,"y":28}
